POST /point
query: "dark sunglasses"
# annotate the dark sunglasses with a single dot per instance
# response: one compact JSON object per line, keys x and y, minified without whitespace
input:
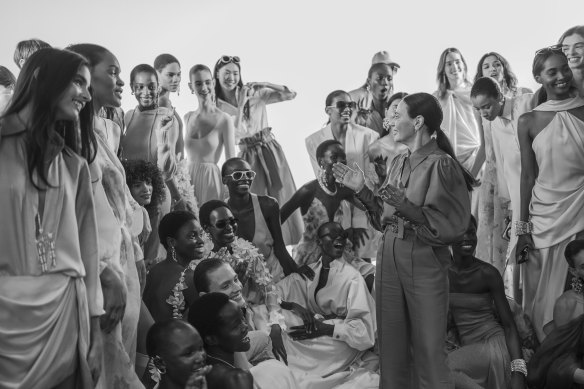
{"x":555,"y":48}
{"x":334,"y":236}
{"x":342,"y":105}
{"x":228,"y":59}
{"x":242,"y":175}
{"x":221,"y":224}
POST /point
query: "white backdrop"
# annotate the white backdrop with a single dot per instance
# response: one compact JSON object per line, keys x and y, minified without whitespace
{"x":312,"y":46}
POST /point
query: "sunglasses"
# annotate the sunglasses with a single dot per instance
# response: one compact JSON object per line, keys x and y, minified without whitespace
{"x":228,"y":59}
{"x":334,"y":236}
{"x":221,"y":224}
{"x":242,"y":175}
{"x":555,"y":48}
{"x":342,"y":105}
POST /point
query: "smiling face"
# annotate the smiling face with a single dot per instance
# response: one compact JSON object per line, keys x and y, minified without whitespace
{"x":454,"y":69}
{"x":493,"y":68}
{"x":228,"y":76}
{"x":332,"y":240}
{"x":188,"y":241}
{"x":203,"y":84}
{"x":488,"y":107}
{"x":238,"y":177}
{"x":578,"y":269}
{"x":381,"y":82}
{"x":466,"y":247}
{"x":74,"y":98}
{"x":573,"y":48}
{"x":183,"y":354}
{"x":390,"y":114}
{"x":145,"y":88}
{"x":170,"y":77}
{"x":404,"y":129}
{"x":141,"y":191}
{"x":106,"y":82}
{"x":232,"y":332}
{"x":223,"y":227}
{"x":224,"y":280}
{"x":340,"y":113}
{"x":556,"y":77}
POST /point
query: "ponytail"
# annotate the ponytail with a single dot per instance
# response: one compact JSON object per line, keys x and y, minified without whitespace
{"x":444,"y":145}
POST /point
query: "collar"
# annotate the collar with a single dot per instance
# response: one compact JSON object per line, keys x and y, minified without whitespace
{"x":418,"y":156}
{"x":10,"y":126}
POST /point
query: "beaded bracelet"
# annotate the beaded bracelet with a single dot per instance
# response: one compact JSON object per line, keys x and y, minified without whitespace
{"x":519,"y":365}
{"x":522,"y":228}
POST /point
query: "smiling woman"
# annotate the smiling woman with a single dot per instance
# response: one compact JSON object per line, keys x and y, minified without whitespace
{"x":572,"y":42}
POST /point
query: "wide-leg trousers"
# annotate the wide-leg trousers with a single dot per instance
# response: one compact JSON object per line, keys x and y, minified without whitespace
{"x":412,"y":307}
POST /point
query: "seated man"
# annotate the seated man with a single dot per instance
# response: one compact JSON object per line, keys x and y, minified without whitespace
{"x":338,"y":313}
{"x":222,"y":325}
{"x":215,"y":275}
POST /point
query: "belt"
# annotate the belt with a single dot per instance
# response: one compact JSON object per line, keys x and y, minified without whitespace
{"x":399,"y":227}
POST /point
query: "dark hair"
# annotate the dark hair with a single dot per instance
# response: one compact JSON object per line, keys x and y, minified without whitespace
{"x":157,"y":336}
{"x":219,"y":92}
{"x":427,"y":106}
{"x":7,"y":79}
{"x":539,"y":65}
{"x":93,"y":53}
{"x":396,"y":96}
{"x":473,"y":221}
{"x":324,"y":146}
{"x":327,"y":225}
{"x":375,"y":67}
{"x":572,"y":249}
{"x":24,"y":49}
{"x":571,"y":31}
{"x":200,"y":274}
{"x":199,"y":68}
{"x":508,"y":75}
{"x":142,"y":68}
{"x":333,"y":95}
{"x":229,"y":162}
{"x":171,"y":223}
{"x":204,"y":313}
{"x":207,"y":208}
{"x":443,"y":83}
{"x":486,"y":86}
{"x":162,"y":60}
{"x":44,"y":78}
{"x":140,"y":170}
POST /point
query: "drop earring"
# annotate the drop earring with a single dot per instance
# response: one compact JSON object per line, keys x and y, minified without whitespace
{"x":178,"y":90}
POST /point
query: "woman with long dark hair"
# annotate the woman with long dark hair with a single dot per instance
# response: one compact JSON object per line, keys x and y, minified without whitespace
{"x":423,"y":206}
{"x":50,"y":299}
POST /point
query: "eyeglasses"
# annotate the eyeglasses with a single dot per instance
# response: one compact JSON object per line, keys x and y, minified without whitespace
{"x":228,"y":59}
{"x":334,"y":236}
{"x":221,"y":224}
{"x":341,"y":105}
{"x":555,"y":48}
{"x":242,"y":175}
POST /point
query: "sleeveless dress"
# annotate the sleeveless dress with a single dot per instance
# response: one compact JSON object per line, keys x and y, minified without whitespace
{"x":262,"y":239}
{"x":556,"y":208}
{"x":203,"y":155}
{"x":483,"y":357}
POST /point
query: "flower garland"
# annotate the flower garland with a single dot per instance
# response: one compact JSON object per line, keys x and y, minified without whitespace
{"x":184,"y":187}
{"x":249,"y":265}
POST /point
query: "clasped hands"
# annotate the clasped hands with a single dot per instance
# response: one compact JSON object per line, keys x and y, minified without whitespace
{"x":312,"y":327}
{"x":354,"y":178}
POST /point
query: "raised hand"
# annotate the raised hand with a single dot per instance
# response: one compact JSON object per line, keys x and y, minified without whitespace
{"x":393,"y":195}
{"x":351,"y":178}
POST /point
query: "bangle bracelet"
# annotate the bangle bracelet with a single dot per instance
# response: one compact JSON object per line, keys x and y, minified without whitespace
{"x":519,"y":366}
{"x":523,"y":228}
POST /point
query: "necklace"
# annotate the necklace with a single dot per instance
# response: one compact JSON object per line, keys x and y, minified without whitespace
{"x":320,"y":179}
{"x":221,"y":360}
{"x":578,"y":285}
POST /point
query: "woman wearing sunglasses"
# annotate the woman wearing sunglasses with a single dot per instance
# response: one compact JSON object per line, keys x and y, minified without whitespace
{"x":208,"y":131}
{"x":247,"y":104}
{"x":321,"y":201}
{"x":356,"y":141}
{"x":552,"y":185}
{"x":259,"y":218}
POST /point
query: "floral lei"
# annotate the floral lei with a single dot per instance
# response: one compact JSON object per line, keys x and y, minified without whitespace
{"x":248,"y":263}
{"x":184,"y":186}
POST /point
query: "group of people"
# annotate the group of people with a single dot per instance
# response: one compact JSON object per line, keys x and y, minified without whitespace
{"x":440,"y":244}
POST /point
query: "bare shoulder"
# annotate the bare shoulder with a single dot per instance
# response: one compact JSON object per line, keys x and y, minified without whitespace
{"x":268,"y":203}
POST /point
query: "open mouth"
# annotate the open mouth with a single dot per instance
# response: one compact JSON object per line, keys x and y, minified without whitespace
{"x":118,"y":93}
{"x":339,"y":246}
{"x":78,"y":105}
{"x":574,"y":59}
{"x":562,"y":84}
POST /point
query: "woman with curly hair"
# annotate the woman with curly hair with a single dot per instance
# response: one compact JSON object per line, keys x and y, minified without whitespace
{"x":146,"y":187}
{"x":494,"y":65}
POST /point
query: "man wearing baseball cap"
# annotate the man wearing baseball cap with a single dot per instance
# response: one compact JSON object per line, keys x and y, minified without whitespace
{"x":373,"y":95}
